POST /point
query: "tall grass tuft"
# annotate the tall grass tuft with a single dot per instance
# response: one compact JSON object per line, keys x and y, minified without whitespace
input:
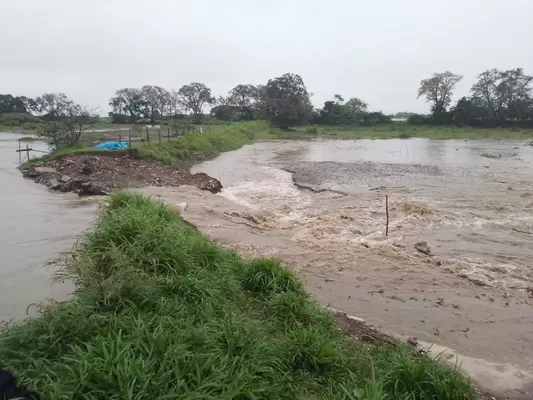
{"x":195,"y":147}
{"x":162,"y":313}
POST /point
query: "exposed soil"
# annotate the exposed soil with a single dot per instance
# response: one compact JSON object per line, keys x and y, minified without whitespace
{"x":91,"y":174}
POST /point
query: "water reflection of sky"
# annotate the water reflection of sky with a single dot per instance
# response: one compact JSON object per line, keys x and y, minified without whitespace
{"x":513,"y":156}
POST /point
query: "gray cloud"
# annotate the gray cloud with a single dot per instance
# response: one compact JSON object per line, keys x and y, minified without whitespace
{"x":378,"y":51}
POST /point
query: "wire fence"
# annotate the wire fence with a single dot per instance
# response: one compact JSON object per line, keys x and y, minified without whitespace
{"x":145,"y":134}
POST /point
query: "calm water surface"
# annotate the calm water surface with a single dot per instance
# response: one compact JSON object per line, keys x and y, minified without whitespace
{"x":37,"y":225}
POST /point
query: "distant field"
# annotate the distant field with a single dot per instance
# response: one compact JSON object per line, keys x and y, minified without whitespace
{"x":403,"y":130}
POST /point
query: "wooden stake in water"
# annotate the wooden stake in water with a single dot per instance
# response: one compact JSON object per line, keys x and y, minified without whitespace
{"x":387,"y":211}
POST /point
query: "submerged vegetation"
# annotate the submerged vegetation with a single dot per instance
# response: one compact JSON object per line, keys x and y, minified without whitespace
{"x":161,"y":312}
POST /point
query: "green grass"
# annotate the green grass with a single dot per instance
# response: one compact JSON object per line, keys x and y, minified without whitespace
{"x":403,"y":130}
{"x":202,"y":146}
{"x":188,"y":149}
{"x":162,"y":313}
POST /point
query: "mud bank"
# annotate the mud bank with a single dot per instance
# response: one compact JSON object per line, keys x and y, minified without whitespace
{"x":99,"y":174}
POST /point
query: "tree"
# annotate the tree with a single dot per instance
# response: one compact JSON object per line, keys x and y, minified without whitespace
{"x":70,"y":121}
{"x":194,"y":97}
{"x":355,"y":111}
{"x":504,"y":94}
{"x":129,"y":102}
{"x":333,"y":111}
{"x":468,"y":111}
{"x":225,"y":112}
{"x":287,"y":101}
{"x":260,"y":102}
{"x":173,"y":104}
{"x":244,"y":97}
{"x":438,"y":91}
{"x":52,"y":106}
{"x":156,"y":100}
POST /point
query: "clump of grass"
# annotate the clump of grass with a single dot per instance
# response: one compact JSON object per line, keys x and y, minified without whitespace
{"x":161,"y":312}
{"x":194,"y":147}
{"x":404,"y":135}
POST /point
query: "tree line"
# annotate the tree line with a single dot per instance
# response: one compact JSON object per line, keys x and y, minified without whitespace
{"x":498,"y":98}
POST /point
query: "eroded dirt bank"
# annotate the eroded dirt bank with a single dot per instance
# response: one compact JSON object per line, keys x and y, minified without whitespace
{"x":99,"y":174}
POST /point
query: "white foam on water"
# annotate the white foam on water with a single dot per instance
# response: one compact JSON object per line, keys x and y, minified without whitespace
{"x":276,"y":194}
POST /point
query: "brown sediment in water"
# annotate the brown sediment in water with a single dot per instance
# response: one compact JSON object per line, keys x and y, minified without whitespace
{"x":387,"y":282}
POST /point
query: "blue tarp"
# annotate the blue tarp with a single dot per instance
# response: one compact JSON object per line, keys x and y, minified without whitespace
{"x":113,"y":145}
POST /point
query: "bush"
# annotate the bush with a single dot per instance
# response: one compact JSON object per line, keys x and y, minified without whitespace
{"x":419,"y":119}
{"x":18,"y":119}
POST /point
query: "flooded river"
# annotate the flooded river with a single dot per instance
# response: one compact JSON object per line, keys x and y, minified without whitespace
{"x":319,"y":206}
{"x":471,"y":201}
{"x":37,"y":225}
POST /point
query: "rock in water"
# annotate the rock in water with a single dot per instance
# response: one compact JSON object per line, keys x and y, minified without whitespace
{"x":423,"y":248}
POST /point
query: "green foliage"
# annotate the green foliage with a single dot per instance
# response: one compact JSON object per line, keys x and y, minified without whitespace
{"x":418,"y":119}
{"x":353,"y":112}
{"x":226,"y":113}
{"x":405,"y":129}
{"x":15,"y":119}
{"x":160,"y":312}
{"x":201,"y":146}
{"x":438,"y":91}
{"x":194,"y":96}
{"x":288,"y":103}
{"x":15,"y":104}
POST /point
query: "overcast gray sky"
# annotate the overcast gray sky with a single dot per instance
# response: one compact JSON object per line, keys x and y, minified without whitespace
{"x":376,"y":50}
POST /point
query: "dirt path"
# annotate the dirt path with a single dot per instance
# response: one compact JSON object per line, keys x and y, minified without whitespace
{"x":395,"y":288}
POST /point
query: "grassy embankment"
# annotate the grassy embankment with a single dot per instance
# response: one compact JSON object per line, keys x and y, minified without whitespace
{"x":187,"y":149}
{"x":403,"y":130}
{"x":161,"y":312}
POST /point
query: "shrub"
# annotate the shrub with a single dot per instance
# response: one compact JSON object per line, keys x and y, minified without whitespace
{"x":18,"y":119}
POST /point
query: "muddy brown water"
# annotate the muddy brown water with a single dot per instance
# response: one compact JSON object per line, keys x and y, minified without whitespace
{"x":36,"y":226}
{"x":471,"y":201}
{"x":320,"y":207}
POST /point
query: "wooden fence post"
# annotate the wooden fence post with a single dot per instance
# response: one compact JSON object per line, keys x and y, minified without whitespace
{"x":168,"y":133}
{"x":387,"y":211}
{"x":148,"y":136}
{"x":129,"y":138}
{"x":159,"y":135}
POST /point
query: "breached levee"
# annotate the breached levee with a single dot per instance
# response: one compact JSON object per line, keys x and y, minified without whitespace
{"x":349,"y":265}
{"x":160,"y":311}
